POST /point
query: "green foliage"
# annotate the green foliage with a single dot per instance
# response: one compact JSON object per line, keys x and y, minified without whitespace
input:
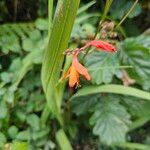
{"x":85,"y":104}
{"x":19,"y":145}
{"x":110,"y":125}
{"x":136,"y":53}
{"x":53,"y":58}
{"x":2,"y":140}
{"x":102,"y":66}
{"x":10,"y":35}
{"x":120,"y":8}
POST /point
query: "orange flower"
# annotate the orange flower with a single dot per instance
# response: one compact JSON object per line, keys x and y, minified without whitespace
{"x":74,"y":70}
{"x":101,"y":45}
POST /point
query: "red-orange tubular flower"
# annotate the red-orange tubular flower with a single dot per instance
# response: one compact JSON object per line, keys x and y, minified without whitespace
{"x":101,"y":45}
{"x":74,"y":70}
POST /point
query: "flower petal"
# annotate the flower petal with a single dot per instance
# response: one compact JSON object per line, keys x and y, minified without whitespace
{"x":74,"y":77}
{"x":81,"y":69}
{"x":102,"y":45}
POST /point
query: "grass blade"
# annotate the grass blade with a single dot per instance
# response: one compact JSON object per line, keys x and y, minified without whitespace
{"x":53,"y":58}
{"x":112,"y":88}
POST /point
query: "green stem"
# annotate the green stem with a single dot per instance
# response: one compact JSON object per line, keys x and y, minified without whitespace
{"x":130,"y":10}
{"x":106,"y":9}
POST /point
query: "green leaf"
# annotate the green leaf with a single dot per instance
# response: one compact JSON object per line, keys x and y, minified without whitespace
{"x":17,"y":145}
{"x":118,"y":13}
{"x":12,"y":131}
{"x":28,"y":44}
{"x":40,"y":134}
{"x":15,"y":65}
{"x":35,"y":35}
{"x":83,"y":104}
{"x":9,"y":95}
{"x":23,"y":135}
{"x":136,"y":52}
{"x":101,"y":66}
{"x":34,"y":57}
{"x":5,"y":77}
{"x":3,"y":110}
{"x":62,"y":140}
{"x":137,"y":107}
{"x":112,"y":88}
{"x":34,"y":121}
{"x":110,"y":125}
{"x":21,"y":115}
{"x":41,"y":24}
{"x":53,"y":58}
{"x":2,"y":138}
{"x":10,"y":42}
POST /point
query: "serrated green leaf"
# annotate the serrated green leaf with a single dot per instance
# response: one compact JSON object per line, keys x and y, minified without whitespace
{"x":136,"y":52}
{"x":10,"y":43}
{"x":110,"y":125}
{"x":83,"y":104}
{"x":138,"y":108}
{"x":101,"y":66}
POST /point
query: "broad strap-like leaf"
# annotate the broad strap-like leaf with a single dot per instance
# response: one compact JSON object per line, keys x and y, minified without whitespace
{"x":112,"y":88}
{"x":53,"y":58}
